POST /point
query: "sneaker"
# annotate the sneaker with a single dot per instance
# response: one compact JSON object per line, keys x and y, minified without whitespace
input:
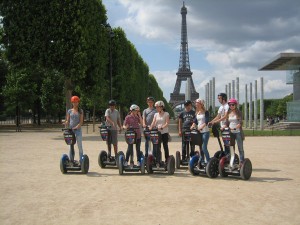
{"x":125,"y":163}
{"x":157,"y":165}
{"x":138,"y":163}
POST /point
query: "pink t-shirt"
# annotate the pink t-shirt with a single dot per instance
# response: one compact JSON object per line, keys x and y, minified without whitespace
{"x":134,"y":122}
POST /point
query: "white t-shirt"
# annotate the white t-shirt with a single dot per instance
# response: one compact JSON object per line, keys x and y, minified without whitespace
{"x":201,"y":120}
{"x":161,"y":120}
{"x":222,"y":110}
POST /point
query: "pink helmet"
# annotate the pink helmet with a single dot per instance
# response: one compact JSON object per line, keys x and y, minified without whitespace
{"x":233,"y":101}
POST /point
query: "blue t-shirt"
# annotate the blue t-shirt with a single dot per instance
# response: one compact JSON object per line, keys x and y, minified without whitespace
{"x":74,"y":118}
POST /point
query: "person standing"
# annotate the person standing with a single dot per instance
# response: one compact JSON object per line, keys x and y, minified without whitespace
{"x":74,"y":121}
{"x":185,"y":121}
{"x":222,"y":112}
{"x":201,"y":124}
{"x":148,"y":115}
{"x":161,"y":121}
{"x":134,"y":120}
{"x":234,"y":122}
{"x":113,"y":120}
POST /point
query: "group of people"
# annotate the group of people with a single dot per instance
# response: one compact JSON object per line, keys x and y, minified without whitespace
{"x":155,"y":116}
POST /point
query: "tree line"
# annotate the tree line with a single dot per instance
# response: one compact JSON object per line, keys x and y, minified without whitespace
{"x":51,"y":50}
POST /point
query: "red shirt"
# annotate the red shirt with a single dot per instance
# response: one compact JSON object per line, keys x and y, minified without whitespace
{"x":133,"y":121}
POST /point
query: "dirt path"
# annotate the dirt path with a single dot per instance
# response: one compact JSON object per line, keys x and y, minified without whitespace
{"x":33,"y":190}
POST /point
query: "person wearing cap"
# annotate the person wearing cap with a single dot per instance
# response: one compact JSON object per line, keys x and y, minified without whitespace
{"x":113,"y":119}
{"x":134,"y":120}
{"x":74,"y":121}
{"x":148,"y":115}
{"x":201,"y":124}
{"x":234,"y":121}
{"x":222,"y":112}
{"x":161,"y":121}
{"x":185,"y":121}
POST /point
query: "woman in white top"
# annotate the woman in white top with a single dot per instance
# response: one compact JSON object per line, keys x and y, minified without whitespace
{"x":234,"y":122}
{"x":200,"y":123}
{"x":161,"y":121}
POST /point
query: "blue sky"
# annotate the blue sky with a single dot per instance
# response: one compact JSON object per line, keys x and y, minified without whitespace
{"x":226,"y":38}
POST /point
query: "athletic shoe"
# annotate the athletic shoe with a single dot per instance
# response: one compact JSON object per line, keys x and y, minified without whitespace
{"x":138,"y":163}
{"x":125,"y":163}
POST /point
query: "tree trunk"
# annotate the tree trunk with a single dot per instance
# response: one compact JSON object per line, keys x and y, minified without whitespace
{"x":68,"y":93}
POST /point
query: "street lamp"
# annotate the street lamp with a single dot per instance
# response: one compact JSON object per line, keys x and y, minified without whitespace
{"x":111,"y":35}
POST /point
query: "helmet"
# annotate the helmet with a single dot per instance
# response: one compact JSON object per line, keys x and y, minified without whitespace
{"x":187,"y":102}
{"x":112,"y":102}
{"x":199,"y":100}
{"x":160,"y":103}
{"x":233,"y":101}
{"x":134,"y":107}
{"x":223,"y":95}
{"x":75,"y":99}
{"x":150,"y":99}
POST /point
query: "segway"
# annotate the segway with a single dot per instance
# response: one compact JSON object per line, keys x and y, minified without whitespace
{"x":184,"y":161}
{"x":229,"y":164}
{"x":105,"y":159}
{"x":68,"y":163}
{"x":204,"y":168}
{"x":130,"y":137}
{"x":154,"y":162}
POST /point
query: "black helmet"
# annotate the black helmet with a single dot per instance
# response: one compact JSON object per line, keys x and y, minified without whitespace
{"x":187,"y":102}
{"x":223,"y":95}
{"x":112,"y":102}
{"x":150,"y":99}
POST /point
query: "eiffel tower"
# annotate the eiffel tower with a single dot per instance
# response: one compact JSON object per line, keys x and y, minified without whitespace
{"x":184,"y":71}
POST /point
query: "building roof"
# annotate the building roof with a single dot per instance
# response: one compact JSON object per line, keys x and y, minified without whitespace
{"x":283,"y":61}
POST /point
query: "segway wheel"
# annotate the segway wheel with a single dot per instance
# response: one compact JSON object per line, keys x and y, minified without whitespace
{"x":193,"y":163}
{"x":143,"y":165}
{"x":222,"y":163}
{"x":177,"y":160}
{"x":246,"y":169}
{"x":121,"y":164}
{"x":219,"y":154}
{"x":117,"y":158}
{"x":212,"y":168}
{"x":149,"y":164}
{"x":63,"y":163}
{"x":85,"y":164}
{"x":102,"y":158}
{"x":171,"y":165}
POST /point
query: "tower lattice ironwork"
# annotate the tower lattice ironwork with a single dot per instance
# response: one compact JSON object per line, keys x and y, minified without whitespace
{"x":184,"y":71}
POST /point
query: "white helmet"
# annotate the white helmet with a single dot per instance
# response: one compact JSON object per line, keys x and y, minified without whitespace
{"x":134,"y":107}
{"x":160,"y":103}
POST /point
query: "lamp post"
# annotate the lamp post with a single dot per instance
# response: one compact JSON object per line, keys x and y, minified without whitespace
{"x":111,"y":35}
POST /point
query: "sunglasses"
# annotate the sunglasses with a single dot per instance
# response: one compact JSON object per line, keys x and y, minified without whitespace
{"x":231,"y":104}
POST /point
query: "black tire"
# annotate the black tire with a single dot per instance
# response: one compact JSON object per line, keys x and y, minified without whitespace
{"x":171,"y":165}
{"x":178,"y":159}
{"x":121,"y":164}
{"x":219,"y":154}
{"x":63,"y":163}
{"x":193,"y":163}
{"x":117,"y":157}
{"x":102,"y":158}
{"x":246,"y":169}
{"x":223,"y":161}
{"x":85,"y":164}
{"x":143,"y":165}
{"x":212,"y":170}
{"x":149,"y":164}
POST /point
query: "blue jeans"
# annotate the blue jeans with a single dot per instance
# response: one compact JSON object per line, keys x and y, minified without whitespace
{"x":239,"y":140}
{"x":205,"y":138}
{"x":147,"y":147}
{"x":78,"y":135}
{"x":129,"y":151}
